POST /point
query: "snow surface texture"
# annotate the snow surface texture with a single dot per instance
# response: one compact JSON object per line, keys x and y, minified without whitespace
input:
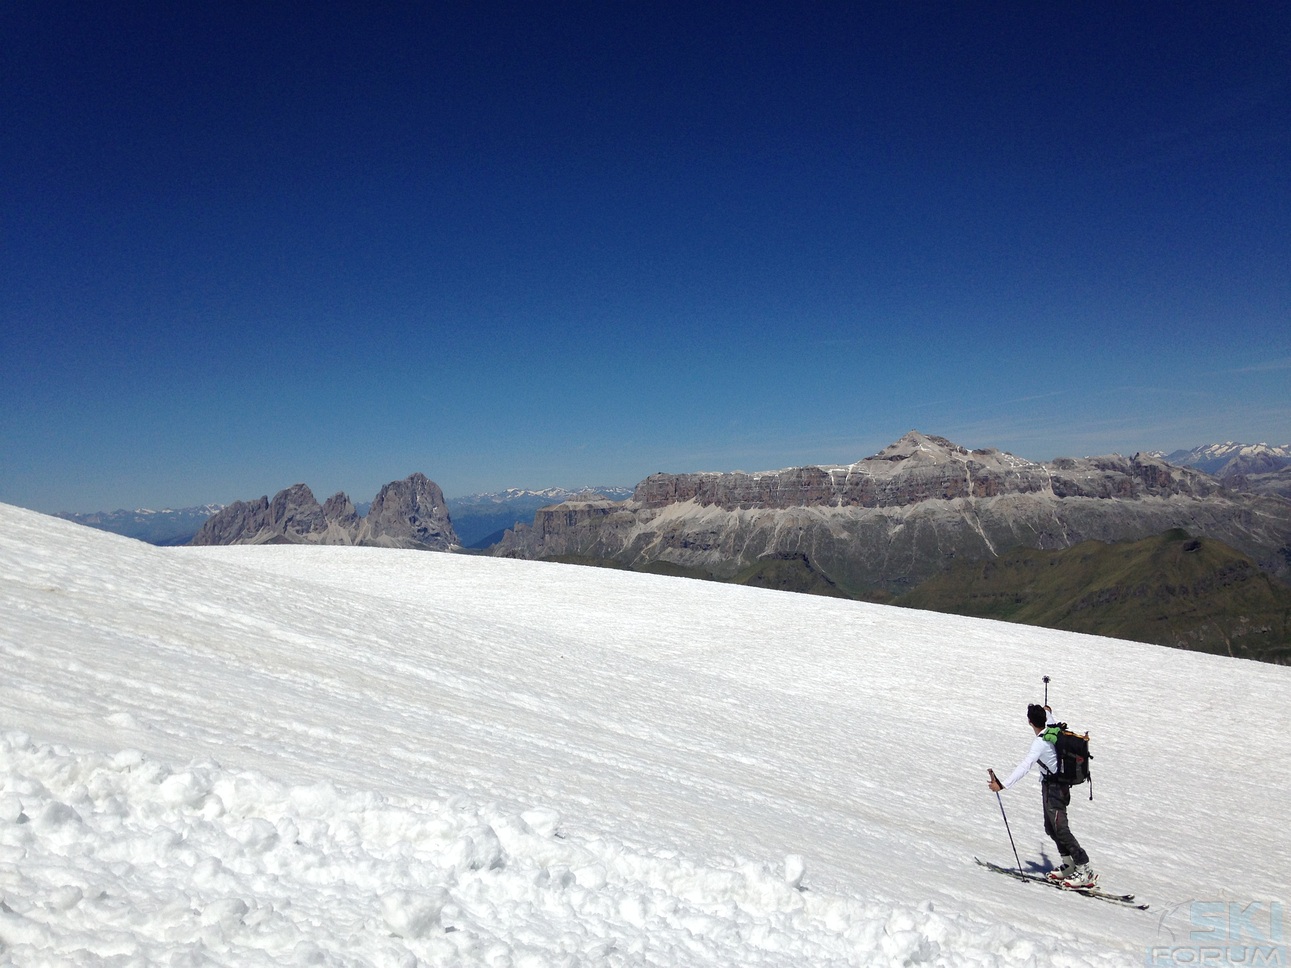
{"x":347,"y":756}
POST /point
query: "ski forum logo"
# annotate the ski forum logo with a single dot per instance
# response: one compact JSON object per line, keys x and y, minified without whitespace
{"x":1224,"y":934}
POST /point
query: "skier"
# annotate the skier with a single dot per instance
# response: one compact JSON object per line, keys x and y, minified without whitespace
{"x":1075,"y":870}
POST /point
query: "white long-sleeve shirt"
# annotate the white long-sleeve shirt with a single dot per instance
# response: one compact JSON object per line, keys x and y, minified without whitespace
{"x":1040,"y":752}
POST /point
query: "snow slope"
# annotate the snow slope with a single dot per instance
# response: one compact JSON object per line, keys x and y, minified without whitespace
{"x":347,"y":756}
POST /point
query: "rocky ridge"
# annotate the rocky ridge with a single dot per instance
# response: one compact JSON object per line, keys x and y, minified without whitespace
{"x":1221,"y":460}
{"x":890,"y":521}
{"x":1254,"y":468}
{"x":481,"y":519}
{"x":405,"y":514}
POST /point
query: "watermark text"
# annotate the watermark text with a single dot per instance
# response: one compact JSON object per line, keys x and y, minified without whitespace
{"x":1225,"y":934}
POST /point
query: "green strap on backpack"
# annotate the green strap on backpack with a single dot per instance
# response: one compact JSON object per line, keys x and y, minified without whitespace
{"x":1073,"y":753}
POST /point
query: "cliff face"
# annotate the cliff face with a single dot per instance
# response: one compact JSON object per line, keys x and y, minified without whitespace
{"x":892,"y":520}
{"x":409,"y":514}
{"x":918,"y":468}
{"x":405,"y":514}
{"x":294,"y":515}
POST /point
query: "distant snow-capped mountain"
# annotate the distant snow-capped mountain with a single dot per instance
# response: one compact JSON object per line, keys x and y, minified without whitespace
{"x":1254,"y":468}
{"x":549,"y":494}
{"x":1232,"y":458}
{"x":168,"y":526}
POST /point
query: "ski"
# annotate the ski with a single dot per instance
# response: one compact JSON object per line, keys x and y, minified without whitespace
{"x":1124,"y":899}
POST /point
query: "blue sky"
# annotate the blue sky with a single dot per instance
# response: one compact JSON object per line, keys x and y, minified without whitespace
{"x":246,"y":245}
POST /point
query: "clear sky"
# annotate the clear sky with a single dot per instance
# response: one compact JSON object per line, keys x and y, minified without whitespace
{"x":554,"y":243}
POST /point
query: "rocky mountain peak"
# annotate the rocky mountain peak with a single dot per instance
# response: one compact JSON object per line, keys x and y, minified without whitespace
{"x":926,"y":450}
{"x":406,"y":514}
{"x":294,"y":512}
{"x":339,"y":509}
{"x":922,"y":448}
{"x":411,"y":510}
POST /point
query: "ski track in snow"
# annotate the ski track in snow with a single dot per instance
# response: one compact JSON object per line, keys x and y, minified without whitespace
{"x":277,"y":755}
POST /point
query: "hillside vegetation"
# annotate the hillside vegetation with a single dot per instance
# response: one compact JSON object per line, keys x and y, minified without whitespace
{"x":1172,"y":589}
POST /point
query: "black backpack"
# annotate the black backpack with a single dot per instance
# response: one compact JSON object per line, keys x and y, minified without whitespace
{"x":1073,"y":756}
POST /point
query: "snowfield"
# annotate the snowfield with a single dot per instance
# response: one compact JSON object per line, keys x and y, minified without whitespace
{"x":280,"y":755}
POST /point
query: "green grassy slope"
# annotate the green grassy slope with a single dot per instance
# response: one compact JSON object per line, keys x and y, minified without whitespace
{"x":1172,"y":589}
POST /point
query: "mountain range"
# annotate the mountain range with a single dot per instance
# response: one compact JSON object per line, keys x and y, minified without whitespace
{"x":405,"y":514}
{"x":1074,"y":543}
{"x":1255,"y":468}
{"x":881,"y":526}
{"x":479,"y":520}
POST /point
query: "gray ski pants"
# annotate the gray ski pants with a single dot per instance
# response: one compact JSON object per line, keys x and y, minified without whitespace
{"x":1057,"y":797}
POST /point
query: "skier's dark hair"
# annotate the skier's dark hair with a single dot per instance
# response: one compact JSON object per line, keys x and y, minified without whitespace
{"x":1036,"y":716}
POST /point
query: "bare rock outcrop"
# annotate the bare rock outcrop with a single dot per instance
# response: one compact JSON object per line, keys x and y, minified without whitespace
{"x":409,"y":514}
{"x":339,"y":510}
{"x":294,"y":515}
{"x":889,"y":521}
{"x":919,"y":468}
{"x":405,"y":514}
{"x":241,"y":522}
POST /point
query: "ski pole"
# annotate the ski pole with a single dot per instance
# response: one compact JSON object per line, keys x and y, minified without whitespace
{"x":1006,"y":822}
{"x":1046,"y":690}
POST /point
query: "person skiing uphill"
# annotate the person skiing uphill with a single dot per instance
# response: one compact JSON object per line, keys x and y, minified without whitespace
{"x":1075,"y":870}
